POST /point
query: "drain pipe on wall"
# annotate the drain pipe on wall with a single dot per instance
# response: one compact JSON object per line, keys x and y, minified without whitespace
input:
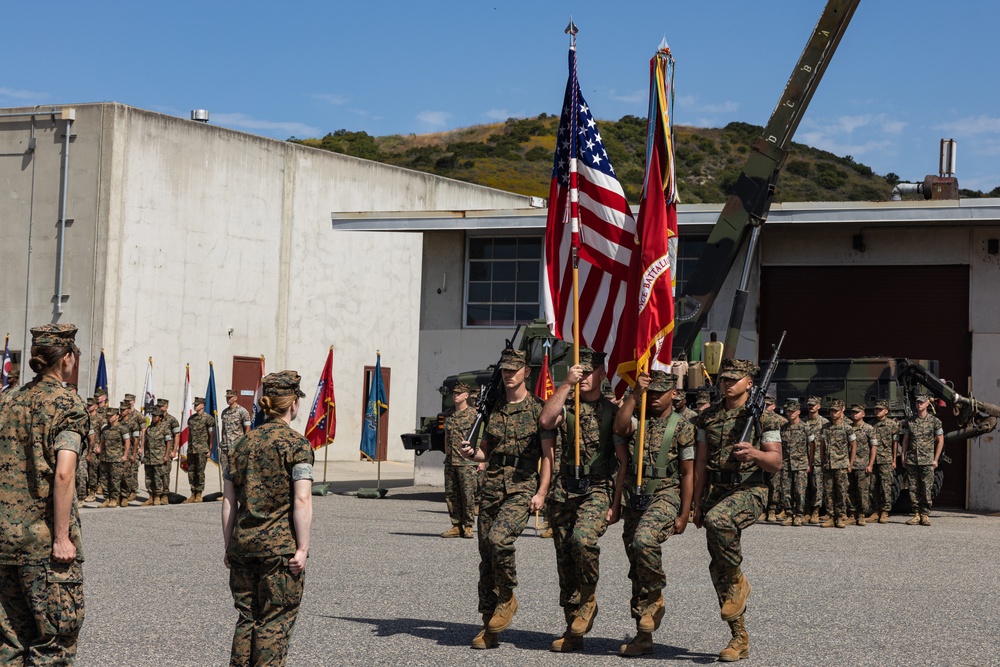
{"x":68,"y":115}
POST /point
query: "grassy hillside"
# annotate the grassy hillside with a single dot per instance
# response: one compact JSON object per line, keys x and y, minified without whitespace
{"x":517,"y":156}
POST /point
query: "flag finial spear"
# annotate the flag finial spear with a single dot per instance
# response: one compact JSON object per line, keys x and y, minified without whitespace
{"x":571,"y":30}
{"x":664,"y":47}
{"x":547,"y":344}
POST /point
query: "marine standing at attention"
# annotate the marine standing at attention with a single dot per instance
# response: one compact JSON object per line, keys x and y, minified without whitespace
{"x":730,"y":491}
{"x":459,"y":474}
{"x":887,"y":432}
{"x":923,"y":441}
{"x":200,"y":429}
{"x":42,"y":427}
{"x":266,"y":524}
{"x":512,"y":444}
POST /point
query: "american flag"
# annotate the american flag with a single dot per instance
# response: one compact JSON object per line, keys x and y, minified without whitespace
{"x":607,"y":231}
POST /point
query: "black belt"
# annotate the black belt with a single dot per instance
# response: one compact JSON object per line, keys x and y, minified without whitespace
{"x":505,"y":460}
{"x":600,"y":470}
{"x":652,"y":472}
{"x":735,"y":477}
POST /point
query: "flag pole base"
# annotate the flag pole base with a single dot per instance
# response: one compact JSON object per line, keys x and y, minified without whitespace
{"x":211,"y":497}
{"x":367,"y":492}
{"x":176,"y":498}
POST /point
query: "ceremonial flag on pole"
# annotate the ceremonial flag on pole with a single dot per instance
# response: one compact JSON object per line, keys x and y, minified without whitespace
{"x":375,"y":407}
{"x":8,"y":364}
{"x":212,"y":409}
{"x":606,"y":239}
{"x":647,"y":330}
{"x":258,"y":414}
{"x":544,"y":386}
{"x":148,"y":393}
{"x":187,"y":409}
{"x":322,"y":425}
{"x":102,"y":374}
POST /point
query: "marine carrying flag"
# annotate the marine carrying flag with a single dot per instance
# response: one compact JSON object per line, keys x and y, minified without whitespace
{"x":322,"y":425}
{"x":258,"y":413}
{"x":647,"y":330}
{"x":606,"y":240}
{"x":375,"y":407}
{"x":8,"y":364}
{"x":212,"y":410}
{"x":102,"y":374}
{"x":187,"y":409}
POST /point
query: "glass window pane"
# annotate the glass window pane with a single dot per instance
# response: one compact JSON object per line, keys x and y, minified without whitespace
{"x":503,"y":292}
{"x":529,"y":248}
{"x":480,"y":248}
{"x":526,"y":314}
{"x":479,"y":292}
{"x":505,"y":248}
{"x":528,"y":270}
{"x":505,"y":270}
{"x":502,"y":315}
{"x":478,"y":316}
{"x":527,"y":292}
{"x":480,"y":270}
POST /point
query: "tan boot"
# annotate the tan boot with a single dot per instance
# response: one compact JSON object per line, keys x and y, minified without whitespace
{"x":467,"y":533}
{"x":123,"y":502}
{"x":198,"y":498}
{"x":849,"y":520}
{"x":568,"y":642}
{"x":454,"y":531}
{"x":156,"y":500}
{"x":147,"y":502}
{"x":883,"y":517}
{"x":546,"y":534}
{"x":90,"y":498}
{"x":189,"y":499}
{"x":914,"y":521}
{"x":797,"y":521}
{"x":789,"y":520}
{"x":814,"y":517}
{"x":841,"y":521}
{"x":925,"y":519}
{"x":131,"y":496}
{"x":770,"y":516}
{"x":829,"y":523}
{"x":738,"y":647}
{"x":585,"y":614}
{"x":504,"y":612}
{"x":872,"y":518}
{"x":650,"y":621}
{"x":782,"y":515}
{"x":165,"y":499}
{"x":861,"y":520}
{"x":641,"y":645}
{"x":485,"y":639}
{"x":106,"y":503}
{"x":736,"y":600}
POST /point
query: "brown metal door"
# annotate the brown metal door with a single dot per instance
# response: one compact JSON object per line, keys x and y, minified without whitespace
{"x":842,"y":312}
{"x":382,"y":448}
{"x":247,"y":372}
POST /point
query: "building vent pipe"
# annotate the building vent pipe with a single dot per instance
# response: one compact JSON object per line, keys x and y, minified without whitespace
{"x":200,"y":115}
{"x":947,"y":162}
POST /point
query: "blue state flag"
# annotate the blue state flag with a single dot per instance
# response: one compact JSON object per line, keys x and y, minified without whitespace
{"x":212,"y":410}
{"x":375,"y":407}
{"x":102,"y":375}
{"x":8,"y":364}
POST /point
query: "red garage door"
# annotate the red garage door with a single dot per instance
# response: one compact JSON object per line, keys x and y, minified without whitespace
{"x":917,"y":312}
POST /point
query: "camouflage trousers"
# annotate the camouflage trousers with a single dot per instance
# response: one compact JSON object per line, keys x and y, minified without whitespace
{"x":726,"y":512}
{"x":460,"y":494}
{"x":93,"y":474}
{"x":793,"y":490}
{"x":502,"y":517}
{"x":776,"y":502}
{"x":130,"y":480}
{"x":578,"y":522}
{"x":158,"y":479}
{"x":884,"y":476}
{"x":643,"y":534}
{"x":41,"y":612}
{"x":267,"y":596}
{"x":112,"y":474}
{"x":819,"y":496}
{"x":857,"y":501}
{"x":837,"y":491}
{"x":921,"y":485}
{"x":196,"y":462}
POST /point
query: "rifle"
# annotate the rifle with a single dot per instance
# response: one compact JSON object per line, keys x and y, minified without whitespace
{"x":755,"y":404}
{"x":490,"y":393}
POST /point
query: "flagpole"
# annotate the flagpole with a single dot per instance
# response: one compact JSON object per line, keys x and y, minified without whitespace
{"x":326,"y":447}
{"x":378,"y":418}
{"x":574,"y":204}
{"x":642,"y":436}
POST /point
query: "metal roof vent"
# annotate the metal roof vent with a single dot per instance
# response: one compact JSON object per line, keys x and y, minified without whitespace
{"x":200,"y":115}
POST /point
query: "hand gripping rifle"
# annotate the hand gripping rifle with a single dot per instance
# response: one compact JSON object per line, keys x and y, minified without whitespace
{"x":490,"y":393}
{"x":755,"y":404}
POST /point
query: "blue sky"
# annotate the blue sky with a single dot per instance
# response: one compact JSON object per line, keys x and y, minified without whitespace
{"x":907,"y":73}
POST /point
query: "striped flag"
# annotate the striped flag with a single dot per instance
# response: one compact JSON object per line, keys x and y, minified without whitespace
{"x":187,"y":409}
{"x":8,"y":365}
{"x":606,"y":239}
{"x":319,"y":431}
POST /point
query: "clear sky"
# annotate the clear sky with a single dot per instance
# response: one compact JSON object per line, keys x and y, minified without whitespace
{"x":907,"y":73}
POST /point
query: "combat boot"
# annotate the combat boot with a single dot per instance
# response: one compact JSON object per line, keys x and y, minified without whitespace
{"x":90,"y":498}
{"x":736,"y":598}
{"x":873,"y":518}
{"x":814,"y":517}
{"x":467,"y":532}
{"x":925,"y":519}
{"x":106,"y":503}
{"x":650,"y":621}
{"x":147,"y":502}
{"x":841,"y":521}
{"x":738,"y":647}
{"x":641,"y":645}
{"x":123,"y":502}
{"x":770,"y":516}
{"x":189,"y":499}
{"x":585,"y":614}
{"x":861,"y":521}
{"x":782,"y":515}
{"x":198,"y":498}
{"x":797,"y":521}
{"x":485,"y":639}
{"x":454,"y":531}
{"x":883,"y":517}
{"x":914,"y":521}
{"x":155,"y":499}
{"x":829,"y":523}
{"x":546,"y":534}
{"x":789,"y":520}
{"x":504,"y":612}
{"x":165,"y":499}
{"x":100,"y":490}
{"x":849,"y":520}
{"x":131,"y":496}
{"x":568,"y":642}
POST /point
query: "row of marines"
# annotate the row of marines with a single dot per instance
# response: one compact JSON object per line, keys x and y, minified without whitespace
{"x":693,"y":467}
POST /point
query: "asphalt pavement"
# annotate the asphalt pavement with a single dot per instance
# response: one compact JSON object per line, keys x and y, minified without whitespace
{"x":383,"y":589}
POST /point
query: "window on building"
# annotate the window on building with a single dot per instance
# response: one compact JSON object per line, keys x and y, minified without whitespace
{"x":503,"y":280}
{"x":689,"y":249}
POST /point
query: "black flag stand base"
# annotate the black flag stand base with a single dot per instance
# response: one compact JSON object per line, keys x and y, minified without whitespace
{"x":211,"y":497}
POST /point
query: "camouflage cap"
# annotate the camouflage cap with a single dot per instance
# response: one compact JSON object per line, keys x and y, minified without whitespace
{"x":160,"y":402}
{"x":881,"y":404}
{"x":769,"y":400}
{"x":156,"y":412}
{"x":100,"y":391}
{"x":921,"y":396}
{"x":53,"y":335}
{"x":230,"y":393}
{"x":736,"y":369}
{"x":13,"y":376}
{"x":662,"y":381}
{"x":703,"y":398}
{"x":285,"y":383}
{"x":512,"y":360}
{"x":130,"y":397}
{"x":791,"y":405}
{"x":125,"y":405}
{"x":91,"y":401}
{"x":814,"y":400}
{"x":857,"y":407}
{"x":836,"y":404}
{"x":112,"y":412}
{"x":590,"y":359}
{"x":460,"y":388}
{"x":199,"y":400}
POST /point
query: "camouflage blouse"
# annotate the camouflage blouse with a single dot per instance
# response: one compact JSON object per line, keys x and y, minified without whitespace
{"x":681,"y":446}
{"x":157,"y":437}
{"x":720,"y":429}
{"x":867,"y":438}
{"x":456,"y":428}
{"x":262,"y":469}
{"x":923,"y":434}
{"x":200,"y":426}
{"x":795,"y":439}
{"x":887,"y":431}
{"x":592,"y":416}
{"x":113,"y":438}
{"x":36,"y":422}
{"x":837,"y":439}
{"x":513,"y":431}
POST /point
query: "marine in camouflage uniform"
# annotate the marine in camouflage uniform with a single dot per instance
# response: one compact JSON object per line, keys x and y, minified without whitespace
{"x":200,"y":428}
{"x":268,"y":477}
{"x":776,"y":503}
{"x":42,"y":426}
{"x":579,"y":506}
{"x":730,"y":491}
{"x":12,"y":385}
{"x":681,"y":408}
{"x":860,"y":475}
{"x":156,"y":458}
{"x":923,"y":441}
{"x":797,"y":444}
{"x":98,"y":420}
{"x":174,"y":428}
{"x":887,"y":432}
{"x":235,"y":423}
{"x":512,"y":443}
{"x":86,"y":452}
{"x":815,"y":422}
{"x":667,"y":478}
{"x":116,"y":446}
{"x":136,"y":423}
{"x":839,"y":443}
{"x":459,"y":473}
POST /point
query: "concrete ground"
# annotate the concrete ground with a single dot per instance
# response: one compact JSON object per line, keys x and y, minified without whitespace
{"x":383,"y":589}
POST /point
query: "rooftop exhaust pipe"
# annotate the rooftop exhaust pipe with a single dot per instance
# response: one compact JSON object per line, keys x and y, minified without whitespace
{"x":199,"y":115}
{"x":942,"y":186}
